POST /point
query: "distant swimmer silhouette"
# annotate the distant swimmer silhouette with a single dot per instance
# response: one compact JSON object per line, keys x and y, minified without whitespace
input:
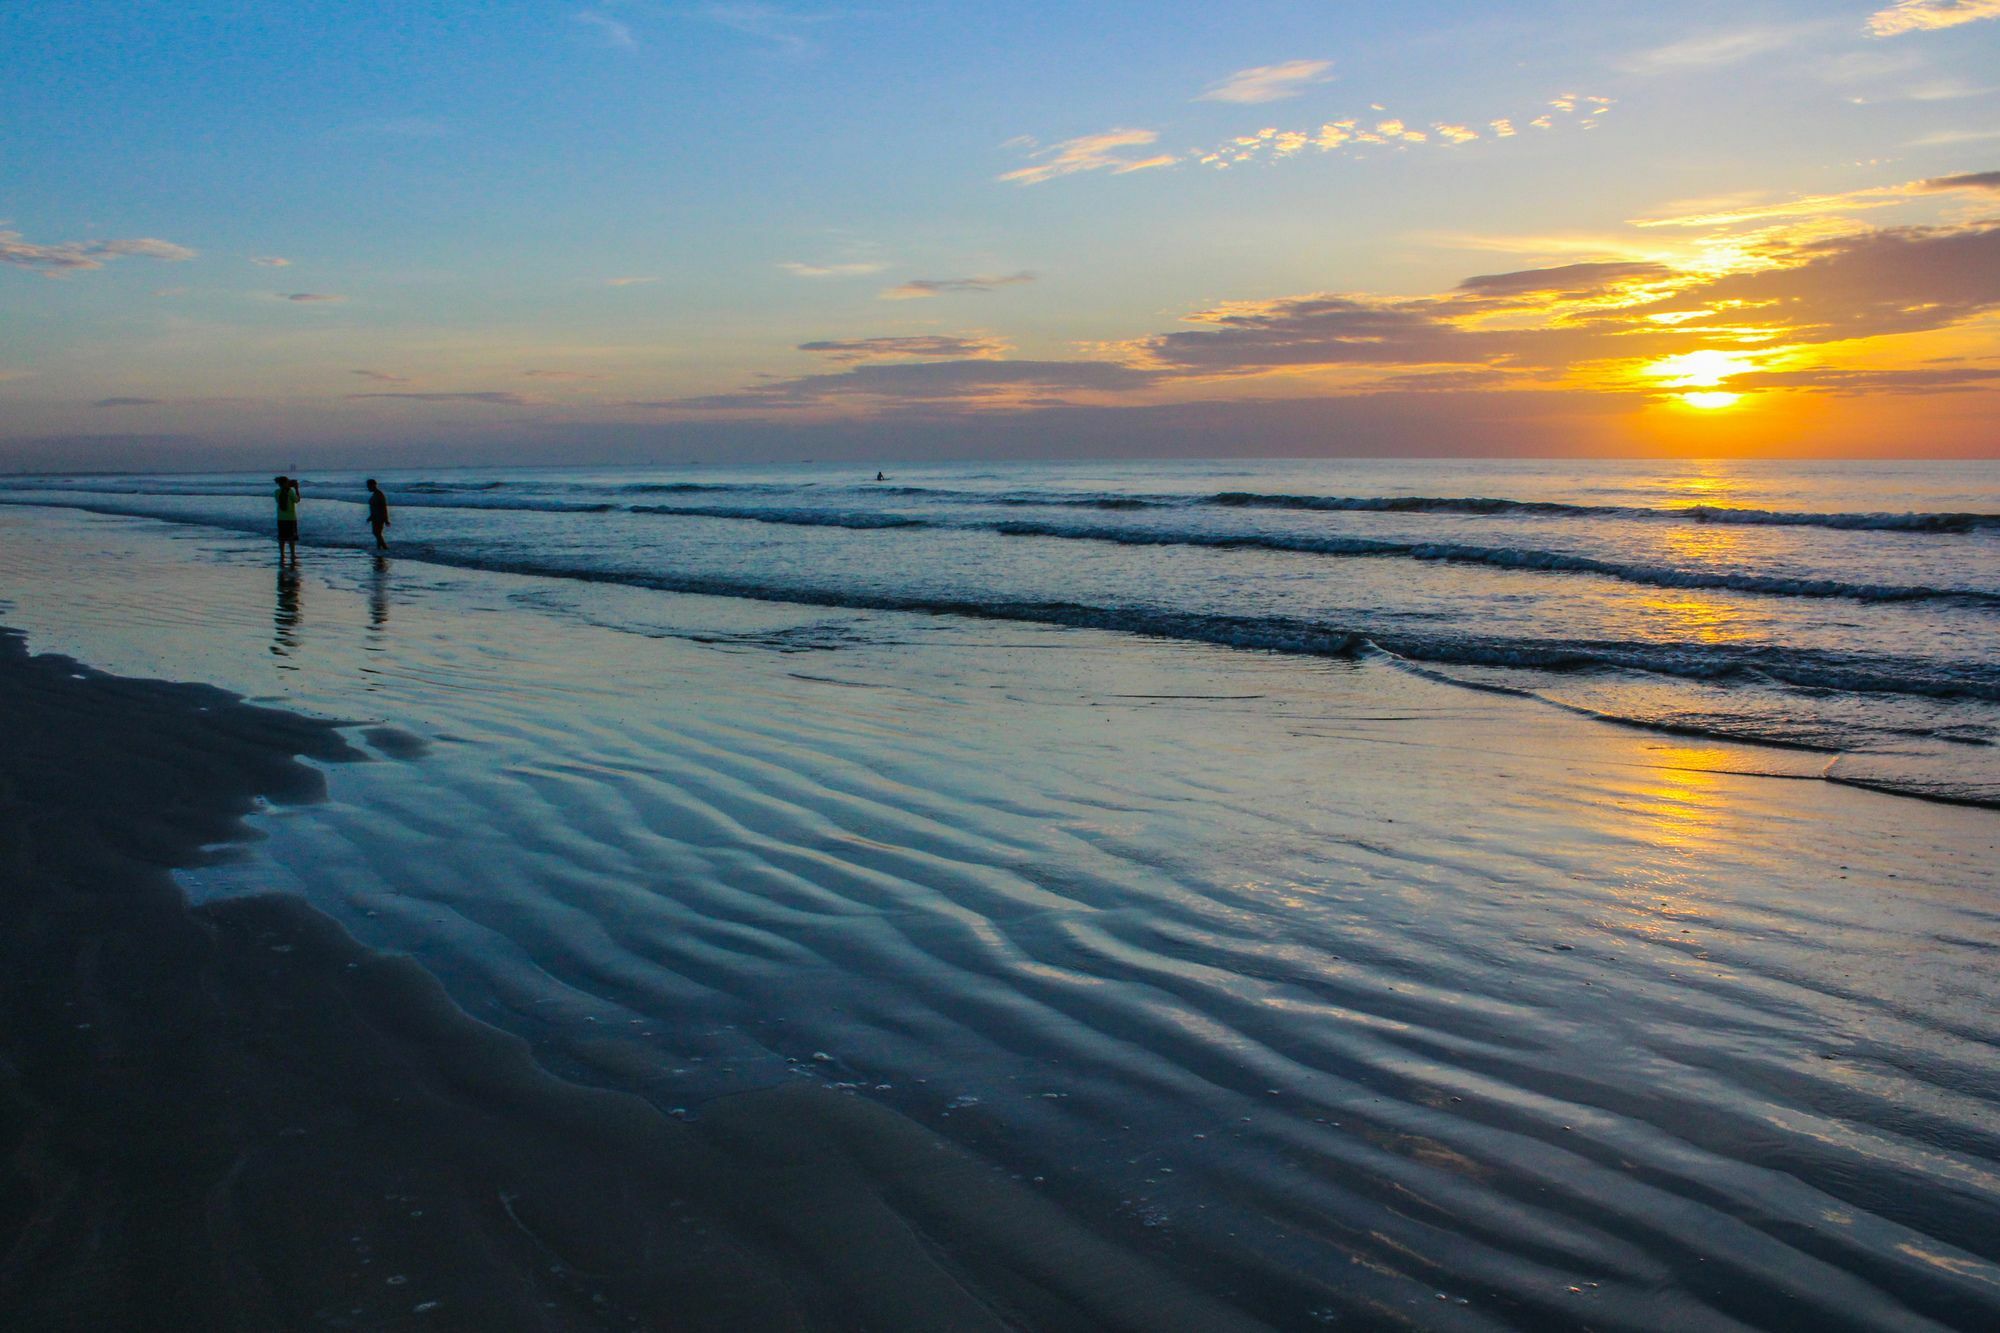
{"x":288,"y":516}
{"x":880,"y":477}
{"x":378,"y":513}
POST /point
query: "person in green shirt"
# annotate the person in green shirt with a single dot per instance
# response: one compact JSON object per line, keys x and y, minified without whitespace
{"x":288,"y":517}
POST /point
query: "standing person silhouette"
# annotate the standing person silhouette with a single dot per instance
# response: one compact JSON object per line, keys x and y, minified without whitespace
{"x":378,"y":513}
{"x":288,"y":517}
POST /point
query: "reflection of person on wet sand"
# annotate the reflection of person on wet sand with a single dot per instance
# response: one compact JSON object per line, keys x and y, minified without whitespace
{"x":288,"y":516}
{"x":288,"y":615}
{"x":378,"y":594}
{"x":378,"y":513}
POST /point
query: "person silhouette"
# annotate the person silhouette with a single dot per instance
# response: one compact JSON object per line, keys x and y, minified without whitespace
{"x":378,"y":513}
{"x":288,"y":517}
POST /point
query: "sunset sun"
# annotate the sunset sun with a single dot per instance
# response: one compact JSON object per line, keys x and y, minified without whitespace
{"x":1710,"y":400}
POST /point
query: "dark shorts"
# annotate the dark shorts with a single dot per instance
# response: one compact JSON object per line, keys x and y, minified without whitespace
{"x":288,"y":529}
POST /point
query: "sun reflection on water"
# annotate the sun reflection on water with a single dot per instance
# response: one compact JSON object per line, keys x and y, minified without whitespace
{"x":1696,"y":617}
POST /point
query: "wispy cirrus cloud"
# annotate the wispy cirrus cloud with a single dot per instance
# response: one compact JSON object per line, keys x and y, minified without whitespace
{"x":1709,"y":50}
{"x":1090,"y":152}
{"x":381,"y":376}
{"x":1740,"y":210}
{"x":782,"y":28}
{"x":270,"y":261}
{"x":963,"y":384}
{"x":311,"y":297}
{"x":1947,"y":138}
{"x":935,"y":347}
{"x":860,"y":268}
{"x":566,"y":375}
{"x":1269,"y":83}
{"x":614,"y":32}
{"x":629,"y":281}
{"x":917,"y":289}
{"x":490,"y":397}
{"x":67,"y":257}
{"x":1926,"y":15}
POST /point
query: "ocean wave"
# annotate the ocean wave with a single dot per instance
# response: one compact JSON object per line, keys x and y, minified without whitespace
{"x":449,"y":487}
{"x":408,"y":495}
{"x":1401,"y":504}
{"x":1473,"y":505}
{"x":696,"y":487}
{"x":1911,"y":522}
{"x":804,"y":518}
{"x":1748,"y":664}
{"x":1433,"y":504}
{"x":1922,"y":788}
{"x":1916,"y":522}
{"x":428,"y":501}
{"x":1509,"y":557}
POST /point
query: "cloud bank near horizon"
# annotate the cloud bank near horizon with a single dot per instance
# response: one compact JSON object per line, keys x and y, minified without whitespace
{"x":743,"y":217}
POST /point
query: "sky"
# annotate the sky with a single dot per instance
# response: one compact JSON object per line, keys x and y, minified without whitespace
{"x":639,"y":231}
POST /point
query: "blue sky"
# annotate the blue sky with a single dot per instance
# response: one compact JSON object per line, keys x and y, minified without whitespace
{"x":650,"y":230}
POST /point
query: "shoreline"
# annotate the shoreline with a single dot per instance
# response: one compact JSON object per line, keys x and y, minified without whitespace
{"x":1304,"y":641}
{"x":235,"y":1116}
{"x":1327,"y":992}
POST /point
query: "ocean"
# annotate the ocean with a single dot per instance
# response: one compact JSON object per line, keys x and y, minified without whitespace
{"x":1851,"y":609}
{"x":1458,"y":895}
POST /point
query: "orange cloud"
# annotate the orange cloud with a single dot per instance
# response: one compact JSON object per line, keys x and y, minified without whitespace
{"x":1852,"y":312}
{"x":1091,"y":152}
{"x":1269,"y":83}
{"x":1925,"y":15}
{"x":1274,"y":141}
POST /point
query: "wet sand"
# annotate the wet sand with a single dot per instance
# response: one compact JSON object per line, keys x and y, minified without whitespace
{"x":1344,"y":996}
{"x":235,"y":1117}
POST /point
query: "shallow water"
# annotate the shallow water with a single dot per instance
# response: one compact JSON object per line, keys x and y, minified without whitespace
{"x":1853,"y":608}
{"x":1359,"y":996}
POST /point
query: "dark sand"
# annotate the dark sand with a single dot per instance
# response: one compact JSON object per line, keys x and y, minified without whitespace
{"x":235,"y":1117}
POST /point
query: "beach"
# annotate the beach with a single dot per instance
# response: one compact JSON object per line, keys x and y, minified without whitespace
{"x":485,"y":936}
{"x":235,"y":1116}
